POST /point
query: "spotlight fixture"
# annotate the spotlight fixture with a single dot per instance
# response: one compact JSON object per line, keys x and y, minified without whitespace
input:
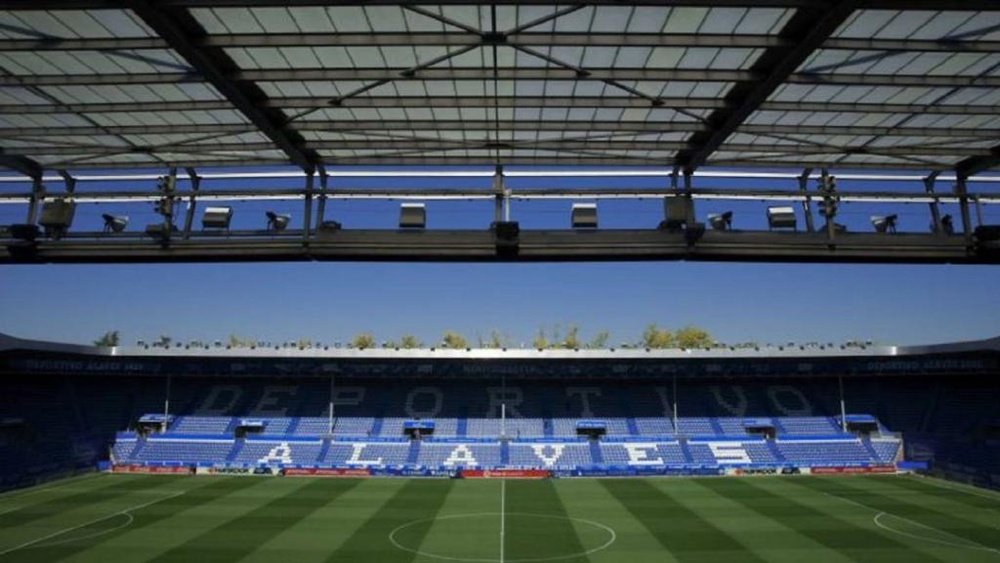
{"x":114,"y":223}
{"x":217,"y":218}
{"x":884,"y":224}
{"x":57,"y":216}
{"x":584,"y":216}
{"x":277,"y":221}
{"x":781,"y":218}
{"x":721,"y":221}
{"x":412,"y":216}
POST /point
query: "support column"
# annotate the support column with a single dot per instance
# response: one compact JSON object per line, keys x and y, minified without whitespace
{"x":673,"y":399}
{"x":192,"y":201}
{"x":37,"y":195}
{"x":330,"y":412}
{"x":934,"y":207}
{"x":501,"y":206}
{"x":843,"y":406}
{"x":166,"y":406}
{"x":807,"y":202}
{"x":307,"y":208}
{"x":321,"y":204}
{"x":963,"y":203}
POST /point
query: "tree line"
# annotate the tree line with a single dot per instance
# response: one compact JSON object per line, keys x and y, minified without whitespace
{"x":551,"y":338}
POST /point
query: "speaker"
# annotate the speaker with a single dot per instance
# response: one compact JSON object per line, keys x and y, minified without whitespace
{"x":412,"y":216}
{"x":584,"y":216}
{"x":217,"y":218}
{"x":507,"y":238}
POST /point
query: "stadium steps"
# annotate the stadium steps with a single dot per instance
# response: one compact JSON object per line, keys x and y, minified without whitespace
{"x":462,"y":428}
{"x":233,"y":423}
{"x":633,"y":428}
{"x":773,"y":448}
{"x":505,"y":453}
{"x":377,"y":427}
{"x":688,"y":458}
{"x":237,"y":446}
{"x":293,"y":426}
{"x":139,"y":444}
{"x":779,"y":428}
{"x":867,"y":443}
{"x":595,"y":452}
{"x":324,"y":449}
{"x":547,"y":428}
{"x":714,"y":421}
{"x":414,"y":454}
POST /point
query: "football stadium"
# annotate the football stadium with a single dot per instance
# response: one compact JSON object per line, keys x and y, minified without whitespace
{"x":410,"y":164}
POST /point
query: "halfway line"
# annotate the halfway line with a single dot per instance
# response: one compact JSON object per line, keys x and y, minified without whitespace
{"x":503,"y":505}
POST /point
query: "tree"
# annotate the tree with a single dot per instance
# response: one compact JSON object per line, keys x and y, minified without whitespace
{"x":409,"y":341}
{"x":163,"y":341}
{"x":693,"y":337}
{"x":496,"y":340}
{"x":655,"y":337}
{"x":110,"y":339}
{"x":600,"y":340}
{"x":363,"y":340}
{"x":304,"y":343}
{"x":453,"y":340}
{"x":540,"y":341}
{"x":572,"y":339}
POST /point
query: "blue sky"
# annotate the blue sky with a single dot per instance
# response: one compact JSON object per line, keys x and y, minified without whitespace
{"x":331,"y":302}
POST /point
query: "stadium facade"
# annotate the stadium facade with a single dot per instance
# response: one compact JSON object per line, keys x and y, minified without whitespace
{"x":327,"y":410}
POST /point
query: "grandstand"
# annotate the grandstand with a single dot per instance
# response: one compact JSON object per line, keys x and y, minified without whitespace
{"x":441,"y":411}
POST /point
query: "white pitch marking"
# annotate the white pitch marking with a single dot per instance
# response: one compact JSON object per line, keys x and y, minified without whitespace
{"x":94,"y":521}
{"x":974,"y":544}
{"x":961,"y":487}
{"x":612,"y":538}
{"x":969,"y":544}
{"x":503,"y":508}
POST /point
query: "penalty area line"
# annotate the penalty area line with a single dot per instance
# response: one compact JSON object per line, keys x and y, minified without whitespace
{"x":962,"y":542}
{"x":125,"y":511}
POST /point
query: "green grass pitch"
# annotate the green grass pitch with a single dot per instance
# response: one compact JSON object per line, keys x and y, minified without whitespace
{"x":303,"y":520}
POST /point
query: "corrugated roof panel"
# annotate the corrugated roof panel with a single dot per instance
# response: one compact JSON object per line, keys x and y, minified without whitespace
{"x":611,"y":19}
{"x":723,"y":20}
{"x":685,"y":20}
{"x":352,"y":19}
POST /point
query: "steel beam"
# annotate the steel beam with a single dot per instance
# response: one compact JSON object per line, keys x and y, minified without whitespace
{"x":479,"y":245}
{"x":621,"y":102}
{"x":180,"y":30}
{"x":974,"y":165}
{"x":595,"y":39}
{"x":473,"y":125}
{"x":507,"y":73}
{"x":569,"y":144}
{"x":20,"y":164}
{"x":807,"y":29}
{"x":873,"y":4}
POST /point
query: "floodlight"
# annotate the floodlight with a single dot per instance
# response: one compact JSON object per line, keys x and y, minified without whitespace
{"x":584,"y":216}
{"x":721,"y":221}
{"x":57,"y":216}
{"x":412,"y":216}
{"x":277,"y":221}
{"x":886,"y":224}
{"x":781,"y":218}
{"x":217,"y":218}
{"x":114,"y":223}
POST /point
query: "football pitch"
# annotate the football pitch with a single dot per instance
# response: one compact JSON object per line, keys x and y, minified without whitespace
{"x":301,"y":520}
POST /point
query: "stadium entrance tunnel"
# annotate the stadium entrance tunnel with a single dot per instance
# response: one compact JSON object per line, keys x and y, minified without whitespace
{"x":527,"y":537}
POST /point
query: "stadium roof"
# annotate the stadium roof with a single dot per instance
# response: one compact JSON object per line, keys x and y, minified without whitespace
{"x":887,"y":84}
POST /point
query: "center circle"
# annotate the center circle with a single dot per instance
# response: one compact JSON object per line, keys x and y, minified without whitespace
{"x":475,"y":538}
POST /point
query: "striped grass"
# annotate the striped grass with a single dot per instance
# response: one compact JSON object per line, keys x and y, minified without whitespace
{"x":164,"y":519}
